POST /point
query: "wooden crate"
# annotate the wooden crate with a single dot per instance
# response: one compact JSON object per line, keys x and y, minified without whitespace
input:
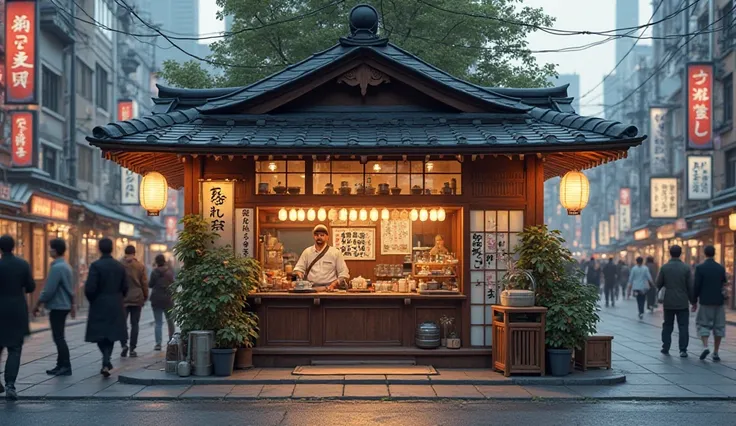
{"x":518,"y":339}
{"x":596,"y":353}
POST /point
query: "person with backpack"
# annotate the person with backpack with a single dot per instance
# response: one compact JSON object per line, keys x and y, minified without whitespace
{"x":58,"y":297}
{"x":161,"y":282}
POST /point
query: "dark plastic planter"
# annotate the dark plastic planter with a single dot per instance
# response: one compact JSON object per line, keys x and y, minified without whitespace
{"x":223,"y":361}
{"x":558,"y":361}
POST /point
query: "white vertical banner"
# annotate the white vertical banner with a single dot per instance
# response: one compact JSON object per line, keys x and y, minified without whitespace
{"x":658,"y":154}
{"x":604,"y":236}
{"x":624,"y":209}
{"x":129,"y":187}
{"x":244,"y":231}
{"x":663,"y":197}
{"x":218,"y":208}
{"x":612,"y":228}
{"x":699,"y":177}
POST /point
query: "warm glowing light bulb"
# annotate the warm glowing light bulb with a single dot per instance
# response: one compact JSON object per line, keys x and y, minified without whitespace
{"x":292,"y":215}
{"x":283,"y":214}
{"x":423,"y":215}
{"x":414,"y":215}
{"x":343,"y":215}
{"x":321,"y":214}
{"x":311,"y":215}
{"x":376,"y":167}
{"x":353,"y":215}
{"x":441,"y":214}
{"x":374,"y":215}
{"x":300,"y":215}
{"x":433,"y":215}
{"x":385,"y":214}
{"x":272,"y":166}
{"x":363,"y":215}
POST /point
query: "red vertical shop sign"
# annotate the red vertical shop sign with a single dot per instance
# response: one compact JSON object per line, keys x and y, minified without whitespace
{"x":22,"y":136}
{"x":700,"y":106}
{"x":21,"y":26}
{"x":126,"y":110}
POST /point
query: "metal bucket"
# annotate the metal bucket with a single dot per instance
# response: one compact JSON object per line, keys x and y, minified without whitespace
{"x":202,"y":343}
{"x":427,"y":335}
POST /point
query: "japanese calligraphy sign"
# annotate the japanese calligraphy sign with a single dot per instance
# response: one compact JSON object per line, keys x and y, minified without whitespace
{"x":21,"y":28}
{"x":396,"y":236}
{"x":218,"y":208}
{"x":129,"y":187}
{"x":49,"y":208}
{"x":355,"y":243}
{"x":624,"y":209}
{"x":658,"y":149}
{"x":663,"y":197}
{"x":23,"y":138}
{"x":699,"y":105}
{"x":171,"y":230}
{"x":244,"y":230}
{"x":699,"y":177}
{"x":126,"y":110}
{"x":604,"y":235}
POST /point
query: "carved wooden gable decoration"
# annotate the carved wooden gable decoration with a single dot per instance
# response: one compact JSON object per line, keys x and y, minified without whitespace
{"x":363,"y":76}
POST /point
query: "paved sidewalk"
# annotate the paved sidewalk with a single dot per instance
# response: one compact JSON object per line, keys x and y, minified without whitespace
{"x":636,"y":344}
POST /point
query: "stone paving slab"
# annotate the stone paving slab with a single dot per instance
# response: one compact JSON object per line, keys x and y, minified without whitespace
{"x":365,"y":392}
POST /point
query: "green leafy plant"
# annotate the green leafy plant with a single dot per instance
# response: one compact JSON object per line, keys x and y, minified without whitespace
{"x":213,"y":286}
{"x":572,"y":312}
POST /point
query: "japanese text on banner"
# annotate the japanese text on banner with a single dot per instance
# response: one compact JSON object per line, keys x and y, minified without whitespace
{"x":20,"y":55}
{"x":218,"y":208}
{"x":700,"y":106}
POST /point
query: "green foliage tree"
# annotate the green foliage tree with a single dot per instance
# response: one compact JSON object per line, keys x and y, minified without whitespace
{"x":466,"y":43}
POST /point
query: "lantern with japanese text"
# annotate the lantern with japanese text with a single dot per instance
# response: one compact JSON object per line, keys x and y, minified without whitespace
{"x":574,"y":192}
{"x":154,"y":193}
{"x":732,"y":221}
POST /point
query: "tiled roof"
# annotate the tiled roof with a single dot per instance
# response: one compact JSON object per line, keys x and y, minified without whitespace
{"x":320,"y":131}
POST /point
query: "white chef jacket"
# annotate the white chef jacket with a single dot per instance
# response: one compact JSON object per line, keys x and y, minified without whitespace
{"x":328,"y":269}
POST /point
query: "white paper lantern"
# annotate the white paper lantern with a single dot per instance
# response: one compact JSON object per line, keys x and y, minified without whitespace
{"x":311,"y":215}
{"x":363,"y":215}
{"x":343,"y":215}
{"x":414,"y":215}
{"x":441,"y":214}
{"x":300,"y":215}
{"x":374,"y":215}
{"x":353,"y":215}
{"x":154,"y":193}
{"x":574,"y":192}
{"x":321,"y":214}
{"x":423,"y":215}
{"x":433,"y":215}
{"x":385,"y":214}
{"x":283,"y":214}
{"x":292,"y":215}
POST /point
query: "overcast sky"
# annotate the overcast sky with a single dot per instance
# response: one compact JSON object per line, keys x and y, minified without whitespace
{"x":592,"y":15}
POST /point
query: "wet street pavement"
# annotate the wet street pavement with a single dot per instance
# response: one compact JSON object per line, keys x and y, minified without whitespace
{"x":336,"y":413}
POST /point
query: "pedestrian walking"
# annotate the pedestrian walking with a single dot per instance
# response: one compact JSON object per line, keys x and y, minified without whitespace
{"x":710,"y":291}
{"x":640,"y":282}
{"x":135,"y":299}
{"x":162,"y":279}
{"x":58,"y":297}
{"x":652,"y":294}
{"x":675,"y":278}
{"x":623,"y":278}
{"x":105,"y":289}
{"x":593,"y":274}
{"x":610,"y":278}
{"x":16,"y":282}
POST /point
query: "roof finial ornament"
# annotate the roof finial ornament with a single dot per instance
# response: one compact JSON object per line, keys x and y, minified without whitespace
{"x":363,"y":27}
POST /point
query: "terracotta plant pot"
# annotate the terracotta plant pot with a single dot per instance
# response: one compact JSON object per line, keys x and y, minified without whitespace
{"x":244,"y":358}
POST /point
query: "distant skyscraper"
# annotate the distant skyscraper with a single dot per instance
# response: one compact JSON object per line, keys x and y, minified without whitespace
{"x":627,"y":16}
{"x":573,"y":90}
{"x":178,"y":17}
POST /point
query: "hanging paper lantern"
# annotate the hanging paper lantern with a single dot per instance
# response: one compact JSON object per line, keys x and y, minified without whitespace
{"x":423,"y":215}
{"x":343,"y":215}
{"x":441,"y":214}
{"x":732,"y":221}
{"x":321,"y":214}
{"x":414,"y":215}
{"x":433,"y":215}
{"x":283,"y":214}
{"x":300,"y":215}
{"x":363,"y":215}
{"x":385,"y":214}
{"x":311,"y":215}
{"x":332,"y":215}
{"x":292,"y":215}
{"x":154,"y":192}
{"x":374,"y":215}
{"x":353,"y":215}
{"x":574,"y":192}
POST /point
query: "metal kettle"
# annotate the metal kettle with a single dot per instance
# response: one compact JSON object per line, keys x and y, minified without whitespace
{"x":184,"y":369}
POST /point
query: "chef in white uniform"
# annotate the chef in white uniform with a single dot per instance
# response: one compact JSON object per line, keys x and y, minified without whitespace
{"x":322,"y":265}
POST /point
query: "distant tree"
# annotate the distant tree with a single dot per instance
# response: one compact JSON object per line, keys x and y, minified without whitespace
{"x":189,"y":75}
{"x":492,"y":52}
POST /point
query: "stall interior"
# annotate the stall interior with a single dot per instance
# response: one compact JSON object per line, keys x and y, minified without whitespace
{"x":387,"y":250}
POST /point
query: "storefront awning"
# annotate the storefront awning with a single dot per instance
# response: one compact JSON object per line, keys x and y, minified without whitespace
{"x":721,"y":208}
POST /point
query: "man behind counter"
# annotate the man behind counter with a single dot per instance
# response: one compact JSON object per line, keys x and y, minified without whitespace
{"x":320,"y":264}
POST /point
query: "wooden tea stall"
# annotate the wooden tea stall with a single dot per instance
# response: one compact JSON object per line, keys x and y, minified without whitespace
{"x":392,"y":155}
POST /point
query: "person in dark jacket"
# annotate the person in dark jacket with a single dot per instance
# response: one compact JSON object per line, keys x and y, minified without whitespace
{"x":710,"y":282}
{"x":593,"y":274}
{"x":676,"y":279}
{"x":623,"y":278}
{"x":16,"y":282}
{"x":652,"y":294}
{"x":610,"y":277}
{"x":135,"y":299}
{"x":162,"y":279}
{"x":105,"y":289}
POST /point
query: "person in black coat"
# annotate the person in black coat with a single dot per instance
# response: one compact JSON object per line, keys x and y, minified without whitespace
{"x":610,"y":277}
{"x":16,"y":281}
{"x":105,"y":289}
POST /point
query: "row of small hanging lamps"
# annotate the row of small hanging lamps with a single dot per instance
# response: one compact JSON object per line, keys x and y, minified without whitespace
{"x":343,"y":214}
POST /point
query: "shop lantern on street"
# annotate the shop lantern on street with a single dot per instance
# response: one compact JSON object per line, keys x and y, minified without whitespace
{"x":574,"y":192}
{"x":732,"y":221}
{"x":154,"y":193}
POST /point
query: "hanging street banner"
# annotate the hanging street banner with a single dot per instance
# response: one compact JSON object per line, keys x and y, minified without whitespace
{"x":127,"y":109}
{"x":663,"y":198}
{"x":23,"y":136}
{"x":624,"y":209}
{"x":21,"y":48}
{"x":604,"y":235}
{"x":699,"y":177}
{"x":658,"y":152}
{"x":699,"y":78}
{"x":129,"y":181}
{"x":218,"y":208}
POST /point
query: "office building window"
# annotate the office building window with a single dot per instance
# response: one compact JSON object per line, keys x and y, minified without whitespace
{"x":103,"y":101}
{"x":48,"y":161}
{"x":731,"y":168}
{"x":84,"y":80}
{"x":51,"y":90}
{"x":103,"y":17}
{"x":86,"y":163}
{"x":728,"y":99}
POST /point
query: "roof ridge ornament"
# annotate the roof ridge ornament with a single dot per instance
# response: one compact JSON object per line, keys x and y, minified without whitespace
{"x":363,"y":28}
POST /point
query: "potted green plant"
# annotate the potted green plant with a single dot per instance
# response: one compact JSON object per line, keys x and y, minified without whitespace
{"x":212,"y":289}
{"x":572,"y":310}
{"x":244,"y":355}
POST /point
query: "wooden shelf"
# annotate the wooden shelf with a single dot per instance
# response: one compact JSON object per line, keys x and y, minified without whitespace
{"x":434,"y":276}
{"x":435,"y":264}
